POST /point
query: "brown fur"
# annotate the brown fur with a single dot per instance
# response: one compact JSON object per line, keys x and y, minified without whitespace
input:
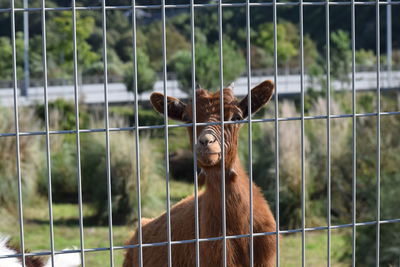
{"x":237,"y":197}
{"x":30,"y":261}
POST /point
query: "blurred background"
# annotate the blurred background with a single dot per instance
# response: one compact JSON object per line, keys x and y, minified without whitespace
{"x":179,"y":84}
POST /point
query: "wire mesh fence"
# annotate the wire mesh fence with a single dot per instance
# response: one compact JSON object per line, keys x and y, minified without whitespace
{"x":250,"y":122}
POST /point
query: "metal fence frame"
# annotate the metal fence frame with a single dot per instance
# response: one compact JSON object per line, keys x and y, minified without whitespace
{"x":136,"y":128}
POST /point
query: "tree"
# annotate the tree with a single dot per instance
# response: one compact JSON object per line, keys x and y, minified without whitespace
{"x":35,"y":66}
{"x":286,"y":38}
{"x":60,"y":45}
{"x":340,"y":56}
{"x":146,"y":76}
{"x":288,"y":43}
{"x":175,"y":42}
{"x":207,"y":21}
{"x":5,"y":59}
{"x":207,"y":65}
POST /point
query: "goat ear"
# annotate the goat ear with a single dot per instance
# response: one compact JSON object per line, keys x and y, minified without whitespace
{"x":176,"y":108}
{"x":260,"y":95}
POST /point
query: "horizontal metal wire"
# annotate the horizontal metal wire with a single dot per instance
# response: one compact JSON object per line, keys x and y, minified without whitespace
{"x":93,"y":8}
{"x":150,"y":127}
{"x":188,"y":241}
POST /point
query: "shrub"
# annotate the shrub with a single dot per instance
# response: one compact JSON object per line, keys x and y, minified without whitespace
{"x":123,"y":177}
{"x":389,"y":233}
{"x":146,"y":117}
{"x":63,"y":170}
{"x":94,"y":176}
{"x":62,"y":115}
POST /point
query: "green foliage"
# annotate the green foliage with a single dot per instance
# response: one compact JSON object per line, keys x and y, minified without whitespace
{"x":93,"y":163}
{"x":123,"y":177}
{"x":260,"y":59}
{"x":287,"y":40}
{"x":341,"y":167}
{"x":289,"y":166}
{"x":64,"y":115}
{"x":366,"y":202}
{"x":149,"y":117}
{"x":207,"y":65}
{"x":146,"y":76}
{"x":63,"y":171}
{"x":6,"y":58}
{"x":146,"y":117}
{"x":340,"y":56}
{"x":207,"y":24}
{"x":389,"y":234}
{"x":181,"y":64}
{"x":6,"y":69}
{"x":94,"y":177}
{"x":312,"y":97}
{"x":175,"y":42}
{"x":119,"y":34}
{"x":115,"y":67}
{"x":366,"y":102}
{"x":60,"y":45}
{"x":365,"y":58}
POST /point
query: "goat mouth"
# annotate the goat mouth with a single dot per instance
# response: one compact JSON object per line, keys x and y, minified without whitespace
{"x":207,"y":153}
{"x":208,"y":158}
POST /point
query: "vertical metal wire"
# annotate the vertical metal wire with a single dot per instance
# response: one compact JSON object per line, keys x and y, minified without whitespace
{"x":164,"y":52}
{"x":196,"y":186}
{"x":328,"y":131}
{"x":250,"y":140}
{"x":78,"y":142}
{"x":378,"y":133}
{"x":46,"y":116}
{"x":25,"y":87}
{"x":17,"y":133}
{"x":389,"y":43}
{"x":275,"y":18}
{"x":221,"y":78}
{"x":137,"y":143}
{"x":303,"y":184}
{"x":354,"y":127}
{"x":107,"y":132}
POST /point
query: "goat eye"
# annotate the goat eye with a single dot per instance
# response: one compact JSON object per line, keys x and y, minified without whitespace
{"x":186,"y":118}
{"x":236,"y":117}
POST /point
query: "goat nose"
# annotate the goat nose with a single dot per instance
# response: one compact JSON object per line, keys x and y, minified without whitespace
{"x":206,"y":139}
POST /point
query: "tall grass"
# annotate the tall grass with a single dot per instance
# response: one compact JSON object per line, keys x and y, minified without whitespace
{"x":289,"y":165}
{"x":30,"y":161}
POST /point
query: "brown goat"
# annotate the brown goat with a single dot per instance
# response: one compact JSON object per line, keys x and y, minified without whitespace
{"x":208,"y":150}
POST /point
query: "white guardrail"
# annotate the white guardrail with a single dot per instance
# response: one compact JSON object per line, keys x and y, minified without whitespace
{"x":117,"y":92}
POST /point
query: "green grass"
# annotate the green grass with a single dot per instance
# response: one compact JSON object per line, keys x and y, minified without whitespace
{"x":66,"y":227}
{"x":316,"y":249}
{"x":67,"y":234}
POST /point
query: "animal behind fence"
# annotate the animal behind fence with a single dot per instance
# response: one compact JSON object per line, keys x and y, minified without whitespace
{"x":237,"y":202}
